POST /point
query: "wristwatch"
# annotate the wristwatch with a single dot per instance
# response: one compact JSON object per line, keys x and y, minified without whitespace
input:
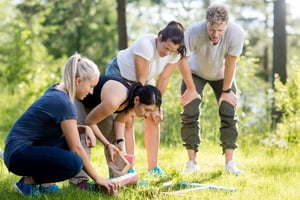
{"x":227,"y":90}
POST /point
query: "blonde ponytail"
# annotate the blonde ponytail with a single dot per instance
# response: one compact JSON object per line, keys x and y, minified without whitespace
{"x":78,"y":67}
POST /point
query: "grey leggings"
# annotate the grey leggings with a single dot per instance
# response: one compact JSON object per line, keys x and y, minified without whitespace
{"x":190,"y":130}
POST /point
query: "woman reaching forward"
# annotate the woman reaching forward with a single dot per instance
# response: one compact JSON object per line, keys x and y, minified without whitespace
{"x":114,"y":95}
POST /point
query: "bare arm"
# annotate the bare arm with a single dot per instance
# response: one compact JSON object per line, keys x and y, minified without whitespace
{"x":230,"y":67}
{"x":164,"y":76}
{"x":113,"y":95}
{"x":70,"y":130}
{"x":229,"y":72}
{"x":141,"y":68}
{"x":123,"y":127}
{"x":190,"y":92}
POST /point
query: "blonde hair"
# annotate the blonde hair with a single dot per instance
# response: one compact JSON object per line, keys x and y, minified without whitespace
{"x":78,"y":67}
{"x":217,"y":14}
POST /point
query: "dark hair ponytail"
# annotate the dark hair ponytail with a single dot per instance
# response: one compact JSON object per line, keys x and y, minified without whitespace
{"x":174,"y":31}
{"x":148,"y":95}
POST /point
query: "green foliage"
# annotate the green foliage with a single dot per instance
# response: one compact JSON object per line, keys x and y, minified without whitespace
{"x":88,"y":27}
{"x":287,"y":100}
{"x":170,"y":127}
{"x":24,"y":61}
{"x":273,"y":173}
{"x":26,"y":69}
{"x":254,"y":103}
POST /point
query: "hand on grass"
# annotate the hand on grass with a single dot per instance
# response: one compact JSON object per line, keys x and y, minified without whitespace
{"x":109,"y":186}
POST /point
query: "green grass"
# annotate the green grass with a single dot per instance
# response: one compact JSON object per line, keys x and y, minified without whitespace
{"x":270,"y":173}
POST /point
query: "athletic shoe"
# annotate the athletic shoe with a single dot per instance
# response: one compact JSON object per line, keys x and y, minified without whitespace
{"x":86,"y":185}
{"x":131,"y":170}
{"x":231,"y":167}
{"x":53,"y":188}
{"x":27,"y":189}
{"x":191,"y":167}
{"x":157,"y":171}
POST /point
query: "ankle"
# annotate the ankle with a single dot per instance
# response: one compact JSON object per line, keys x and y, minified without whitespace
{"x":47,"y":184}
{"x":228,"y":161}
{"x":28,"y":180}
{"x":194,"y":162}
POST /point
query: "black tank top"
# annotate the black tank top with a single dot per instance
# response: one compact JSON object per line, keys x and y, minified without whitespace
{"x":92,"y":100}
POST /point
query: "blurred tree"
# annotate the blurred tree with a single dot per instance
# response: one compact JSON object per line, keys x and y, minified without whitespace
{"x":279,"y":40}
{"x":279,"y":52}
{"x":26,"y":69}
{"x":86,"y":26}
{"x":24,"y":56}
{"x":122,"y":28}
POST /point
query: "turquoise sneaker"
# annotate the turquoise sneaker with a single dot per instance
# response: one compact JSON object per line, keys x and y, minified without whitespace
{"x":27,"y":189}
{"x":50,"y":189}
{"x":131,"y":170}
{"x":157,"y":171}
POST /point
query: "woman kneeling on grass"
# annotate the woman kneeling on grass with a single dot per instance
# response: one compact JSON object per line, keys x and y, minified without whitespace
{"x":43,"y":145}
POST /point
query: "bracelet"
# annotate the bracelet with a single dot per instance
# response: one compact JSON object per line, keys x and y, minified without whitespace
{"x":227,"y":90}
{"x":120,"y":140}
{"x":107,"y":145}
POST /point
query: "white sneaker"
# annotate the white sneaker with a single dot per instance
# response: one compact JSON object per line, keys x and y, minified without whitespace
{"x":191,"y":167}
{"x":1,"y":154}
{"x":232,"y":168}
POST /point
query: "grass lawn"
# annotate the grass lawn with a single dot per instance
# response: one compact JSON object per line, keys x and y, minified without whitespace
{"x":270,"y":173}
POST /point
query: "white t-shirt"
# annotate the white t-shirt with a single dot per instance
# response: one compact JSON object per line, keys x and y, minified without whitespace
{"x":207,"y":60}
{"x":145,"y":47}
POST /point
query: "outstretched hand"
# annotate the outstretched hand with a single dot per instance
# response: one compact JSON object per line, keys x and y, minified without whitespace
{"x":188,"y":96}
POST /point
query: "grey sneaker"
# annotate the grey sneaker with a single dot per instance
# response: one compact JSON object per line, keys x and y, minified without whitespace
{"x":191,"y":167}
{"x":231,"y":167}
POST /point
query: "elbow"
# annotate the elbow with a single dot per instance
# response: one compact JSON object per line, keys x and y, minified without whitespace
{"x":103,"y":111}
{"x":89,"y":121}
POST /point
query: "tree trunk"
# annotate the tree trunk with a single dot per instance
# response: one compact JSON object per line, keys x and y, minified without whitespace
{"x":279,"y":40}
{"x":122,"y":30}
{"x":206,"y":3}
{"x":279,"y":51}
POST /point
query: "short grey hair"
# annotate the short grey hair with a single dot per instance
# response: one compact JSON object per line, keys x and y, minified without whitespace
{"x":217,"y":14}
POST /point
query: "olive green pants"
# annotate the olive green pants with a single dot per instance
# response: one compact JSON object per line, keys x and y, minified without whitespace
{"x":190,"y":128}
